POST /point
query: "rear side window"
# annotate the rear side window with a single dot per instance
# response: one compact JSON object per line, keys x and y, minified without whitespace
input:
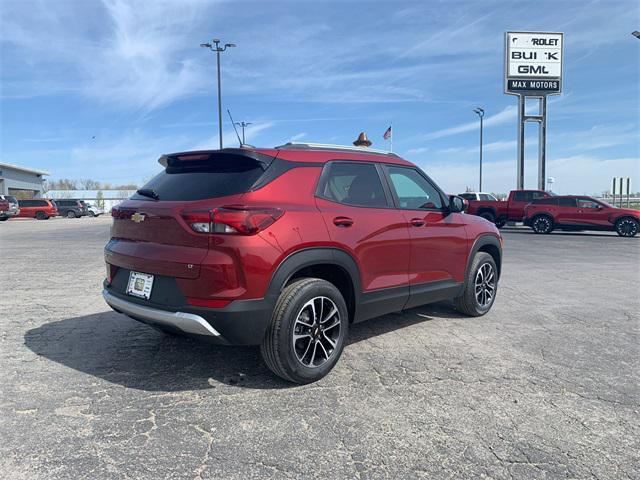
{"x":468,"y":196}
{"x":567,"y":202}
{"x":523,"y":196}
{"x":217,"y":176}
{"x":32,"y":203}
{"x":354,"y":184}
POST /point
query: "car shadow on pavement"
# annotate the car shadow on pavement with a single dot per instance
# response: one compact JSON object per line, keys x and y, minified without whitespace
{"x":556,"y":233}
{"x":122,"y":351}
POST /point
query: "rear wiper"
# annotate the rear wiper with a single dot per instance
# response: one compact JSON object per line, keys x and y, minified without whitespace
{"x":148,"y":192}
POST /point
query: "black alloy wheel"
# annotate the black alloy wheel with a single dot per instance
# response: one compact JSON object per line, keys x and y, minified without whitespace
{"x":542,"y":224}
{"x":627,"y":227}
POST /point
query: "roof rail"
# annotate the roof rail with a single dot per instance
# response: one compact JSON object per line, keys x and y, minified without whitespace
{"x":326,"y":146}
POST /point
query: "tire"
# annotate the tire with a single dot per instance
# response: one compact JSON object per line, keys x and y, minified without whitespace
{"x":542,"y":224}
{"x":489,"y":216}
{"x":91,"y":214}
{"x":627,"y":227}
{"x":474,"y":302}
{"x":41,"y":216}
{"x":301,"y":360}
{"x":4,"y":219}
{"x":71,"y":214}
{"x":500,"y":223}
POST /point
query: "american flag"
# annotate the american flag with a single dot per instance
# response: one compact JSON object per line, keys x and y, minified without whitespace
{"x":387,"y":134}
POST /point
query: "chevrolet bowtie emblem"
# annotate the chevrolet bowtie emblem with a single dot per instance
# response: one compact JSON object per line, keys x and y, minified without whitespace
{"x":138,"y":217}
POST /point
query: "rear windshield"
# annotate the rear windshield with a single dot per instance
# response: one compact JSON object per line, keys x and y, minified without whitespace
{"x":200,"y":179}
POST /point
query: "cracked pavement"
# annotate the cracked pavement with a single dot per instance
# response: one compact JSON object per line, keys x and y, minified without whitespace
{"x":545,"y":386}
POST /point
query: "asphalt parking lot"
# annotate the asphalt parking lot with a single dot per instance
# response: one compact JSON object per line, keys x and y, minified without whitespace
{"x":545,"y":386}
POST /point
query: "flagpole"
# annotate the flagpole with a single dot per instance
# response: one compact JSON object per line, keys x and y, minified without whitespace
{"x":392,"y":138}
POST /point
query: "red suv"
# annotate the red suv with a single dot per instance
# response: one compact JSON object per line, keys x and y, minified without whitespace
{"x":575,"y":213}
{"x":286,"y":247}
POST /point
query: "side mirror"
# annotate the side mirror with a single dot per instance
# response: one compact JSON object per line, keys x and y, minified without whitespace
{"x":458,"y":204}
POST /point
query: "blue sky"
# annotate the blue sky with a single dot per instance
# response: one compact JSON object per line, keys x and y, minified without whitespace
{"x":132,"y":75}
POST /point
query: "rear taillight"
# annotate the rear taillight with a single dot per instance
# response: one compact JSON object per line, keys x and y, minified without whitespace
{"x":111,"y":272}
{"x":232,"y":219}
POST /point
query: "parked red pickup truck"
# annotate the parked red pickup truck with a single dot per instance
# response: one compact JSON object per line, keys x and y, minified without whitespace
{"x":503,"y":211}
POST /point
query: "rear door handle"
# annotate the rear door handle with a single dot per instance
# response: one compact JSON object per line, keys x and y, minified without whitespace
{"x":417,"y":222}
{"x":342,"y":221}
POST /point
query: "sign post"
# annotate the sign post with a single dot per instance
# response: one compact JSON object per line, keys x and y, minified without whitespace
{"x":533,"y":69}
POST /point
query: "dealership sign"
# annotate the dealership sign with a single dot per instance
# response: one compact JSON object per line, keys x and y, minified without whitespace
{"x":533,"y":63}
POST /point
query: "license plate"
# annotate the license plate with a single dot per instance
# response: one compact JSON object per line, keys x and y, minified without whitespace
{"x":140,"y":285}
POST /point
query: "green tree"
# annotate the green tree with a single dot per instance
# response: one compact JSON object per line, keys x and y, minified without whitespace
{"x":100,"y":200}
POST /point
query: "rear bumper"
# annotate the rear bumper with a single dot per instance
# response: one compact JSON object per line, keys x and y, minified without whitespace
{"x":185,"y":322}
{"x":242,"y":322}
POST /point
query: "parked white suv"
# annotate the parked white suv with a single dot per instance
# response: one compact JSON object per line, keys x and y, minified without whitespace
{"x":479,"y":196}
{"x":93,"y":210}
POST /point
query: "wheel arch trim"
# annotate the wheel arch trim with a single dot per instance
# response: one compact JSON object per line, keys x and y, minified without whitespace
{"x":309,"y":257}
{"x":482,"y":241}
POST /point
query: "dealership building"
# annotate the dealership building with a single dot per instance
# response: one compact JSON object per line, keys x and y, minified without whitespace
{"x":21,"y":182}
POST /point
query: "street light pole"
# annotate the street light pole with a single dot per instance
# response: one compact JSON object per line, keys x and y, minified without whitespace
{"x":480,"y":112}
{"x":242,"y":125}
{"x":218,"y":51}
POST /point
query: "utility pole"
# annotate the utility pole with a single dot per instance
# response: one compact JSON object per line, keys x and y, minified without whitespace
{"x":218,"y":50}
{"x":480,"y":112}
{"x":242,"y":125}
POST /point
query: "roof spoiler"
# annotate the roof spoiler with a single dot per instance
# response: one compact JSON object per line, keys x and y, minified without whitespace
{"x":174,"y":159}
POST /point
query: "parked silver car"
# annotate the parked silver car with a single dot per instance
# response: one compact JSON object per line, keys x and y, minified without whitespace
{"x":13,"y":210}
{"x":94,"y":210}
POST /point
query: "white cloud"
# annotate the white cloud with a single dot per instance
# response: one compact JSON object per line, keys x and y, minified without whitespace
{"x":507,"y":114}
{"x":230,"y":139}
{"x":417,"y":151}
{"x":128,"y":55}
{"x":499,"y":146}
{"x":298,"y":136}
